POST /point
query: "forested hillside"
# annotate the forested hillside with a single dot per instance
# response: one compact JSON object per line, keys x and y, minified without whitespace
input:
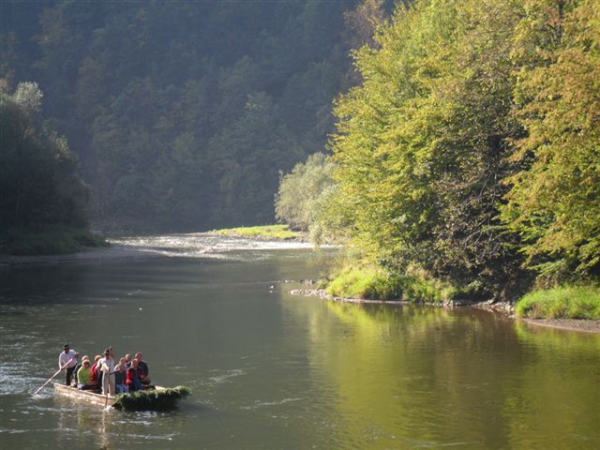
{"x":183,"y":113}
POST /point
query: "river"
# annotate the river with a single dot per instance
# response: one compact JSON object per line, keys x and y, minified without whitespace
{"x":270,"y":370}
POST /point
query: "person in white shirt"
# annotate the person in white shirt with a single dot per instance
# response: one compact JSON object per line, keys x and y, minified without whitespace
{"x":67,"y":360}
{"x":107,"y":367}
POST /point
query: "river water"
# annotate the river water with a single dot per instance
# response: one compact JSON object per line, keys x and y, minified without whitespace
{"x":270,"y":370}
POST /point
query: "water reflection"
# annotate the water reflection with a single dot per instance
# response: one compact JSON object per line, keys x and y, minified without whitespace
{"x":558,"y":395}
{"x":83,"y":426}
{"x":407,"y":377}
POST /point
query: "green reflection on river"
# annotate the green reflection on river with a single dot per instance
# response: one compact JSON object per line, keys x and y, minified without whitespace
{"x":410,"y":377}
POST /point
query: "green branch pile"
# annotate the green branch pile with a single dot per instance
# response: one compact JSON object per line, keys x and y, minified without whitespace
{"x":153,"y":399}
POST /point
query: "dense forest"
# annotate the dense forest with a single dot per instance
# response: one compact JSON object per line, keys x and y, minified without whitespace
{"x":43,"y":205}
{"x":183,"y":114}
{"x":467,"y":162}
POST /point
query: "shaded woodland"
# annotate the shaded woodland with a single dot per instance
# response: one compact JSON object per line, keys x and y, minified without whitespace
{"x":183,"y":114}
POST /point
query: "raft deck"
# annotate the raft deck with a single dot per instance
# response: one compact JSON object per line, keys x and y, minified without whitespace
{"x":87,"y":396}
{"x":151,"y":399}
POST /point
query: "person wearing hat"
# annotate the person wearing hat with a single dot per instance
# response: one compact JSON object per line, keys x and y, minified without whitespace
{"x":67,"y":360}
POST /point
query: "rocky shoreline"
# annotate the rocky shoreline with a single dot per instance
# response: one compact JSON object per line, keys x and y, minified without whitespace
{"x":587,"y":326}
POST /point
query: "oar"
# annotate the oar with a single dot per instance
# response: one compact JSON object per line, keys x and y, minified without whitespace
{"x":53,"y":376}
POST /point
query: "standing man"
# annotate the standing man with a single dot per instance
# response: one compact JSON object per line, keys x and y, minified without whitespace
{"x":107,"y":367}
{"x":68,"y":360}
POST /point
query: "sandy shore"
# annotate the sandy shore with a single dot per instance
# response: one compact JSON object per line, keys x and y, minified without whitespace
{"x":588,"y":326}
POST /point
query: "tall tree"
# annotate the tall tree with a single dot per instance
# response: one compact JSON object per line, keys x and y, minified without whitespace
{"x":39,"y":177}
{"x":554,"y":202}
{"x":423,"y":143}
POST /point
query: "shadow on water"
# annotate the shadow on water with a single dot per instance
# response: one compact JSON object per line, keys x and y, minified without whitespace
{"x":26,"y":286}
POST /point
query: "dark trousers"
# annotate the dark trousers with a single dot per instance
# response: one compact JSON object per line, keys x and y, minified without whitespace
{"x":70,"y":371}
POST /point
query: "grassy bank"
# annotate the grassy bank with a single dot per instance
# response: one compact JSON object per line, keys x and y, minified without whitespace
{"x":365,"y":284}
{"x":278,"y":232}
{"x":377,"y":284}
{"x":566,"y":302}
{"x":357,"y":281}
{"x":50,"y":241}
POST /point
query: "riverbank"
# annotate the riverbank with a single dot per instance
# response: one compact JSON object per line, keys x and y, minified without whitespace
{"x":48,"y":241}
{"x":588,"y":326}
{"x":263,"y":233}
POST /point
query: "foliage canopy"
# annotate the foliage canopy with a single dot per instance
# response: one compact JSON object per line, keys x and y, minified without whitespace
{"x":469,"y":152}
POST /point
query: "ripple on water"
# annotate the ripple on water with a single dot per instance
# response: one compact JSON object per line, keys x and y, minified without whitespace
{"x":227,"y":376}
{"x":266,"y":404}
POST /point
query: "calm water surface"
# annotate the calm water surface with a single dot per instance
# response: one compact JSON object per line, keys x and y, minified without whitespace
{"x":270,"y":370}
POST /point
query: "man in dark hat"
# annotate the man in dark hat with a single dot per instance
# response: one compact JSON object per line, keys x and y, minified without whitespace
{"x":67,"y":361}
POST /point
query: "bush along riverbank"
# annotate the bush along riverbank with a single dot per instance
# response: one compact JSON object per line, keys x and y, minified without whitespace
{"x":371,"y":284}
{"x":564,"y":302}
{"x":54,"y":240}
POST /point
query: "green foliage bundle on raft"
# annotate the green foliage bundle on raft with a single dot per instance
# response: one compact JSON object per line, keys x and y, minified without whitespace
{"x":155,"y":399}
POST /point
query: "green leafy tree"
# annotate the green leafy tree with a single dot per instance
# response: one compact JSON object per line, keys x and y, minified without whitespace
{"x":245,"y":160}
{"x":423,"y":144}
{"x":554,"y":202}
{"x":39,"y":178}
{"x":298,"y":199}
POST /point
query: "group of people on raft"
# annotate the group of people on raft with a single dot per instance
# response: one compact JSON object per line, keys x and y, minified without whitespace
{"x":127,"y":375}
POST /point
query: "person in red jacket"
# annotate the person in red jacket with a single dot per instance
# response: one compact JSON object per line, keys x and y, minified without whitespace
{"x":95,"y":375}
{"x":133,"y":380}
{"x":143,"y":370}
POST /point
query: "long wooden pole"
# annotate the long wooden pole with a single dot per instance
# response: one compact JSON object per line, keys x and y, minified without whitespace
{"x":54,"y":376}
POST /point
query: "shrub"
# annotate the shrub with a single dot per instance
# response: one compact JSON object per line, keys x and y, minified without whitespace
{"x":565,"y":302}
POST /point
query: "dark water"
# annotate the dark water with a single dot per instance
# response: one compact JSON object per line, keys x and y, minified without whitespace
{"x":273,"y":371}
